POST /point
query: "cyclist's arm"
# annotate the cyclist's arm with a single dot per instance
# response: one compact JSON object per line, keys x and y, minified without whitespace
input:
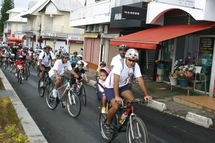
{"x":116,"y":85}
{"x":74,"y":73}
{"x":143,"y":88}
{"x":85,"y":77}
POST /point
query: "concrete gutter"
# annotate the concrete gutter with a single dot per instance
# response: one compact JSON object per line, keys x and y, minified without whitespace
{"x":31,"y":129}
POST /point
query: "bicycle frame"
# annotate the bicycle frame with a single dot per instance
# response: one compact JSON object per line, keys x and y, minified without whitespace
{"x":68,"y":88}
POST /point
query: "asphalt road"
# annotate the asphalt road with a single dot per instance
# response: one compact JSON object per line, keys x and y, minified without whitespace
{"x":58,"y":127}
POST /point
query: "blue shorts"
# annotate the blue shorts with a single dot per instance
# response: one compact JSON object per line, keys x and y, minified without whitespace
{"x":109,"y":92}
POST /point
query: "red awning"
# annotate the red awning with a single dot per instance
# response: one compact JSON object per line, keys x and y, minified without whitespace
{"x":150,"y":39}
{"x":15,"y":40}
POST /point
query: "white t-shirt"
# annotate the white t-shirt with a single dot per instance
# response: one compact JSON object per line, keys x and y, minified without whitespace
{"x":46,"y":61}
{"x":60,"y":67}
{"x":124,"y":72}
{"x":101,"y":89}
{"x":115,"y":59}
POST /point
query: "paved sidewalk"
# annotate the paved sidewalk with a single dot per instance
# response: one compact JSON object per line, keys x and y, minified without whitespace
{"x":170,"y":102}
{"x":31,"y":129}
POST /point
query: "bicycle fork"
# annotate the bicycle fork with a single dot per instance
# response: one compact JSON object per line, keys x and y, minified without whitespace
{"x":131,"y":127}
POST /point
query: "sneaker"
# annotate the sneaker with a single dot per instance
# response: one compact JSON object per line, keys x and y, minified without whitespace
{"x":54,"y":93}
{"x":103,"y":111}
{"x":22,"y":78}
{"x":107,"y":128}
{"x":41,"y":84}
{"x":16,"y":74}
{"x":63,"y":104}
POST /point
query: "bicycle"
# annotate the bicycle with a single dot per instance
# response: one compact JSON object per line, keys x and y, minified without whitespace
{"x":98,"y":93}
{"x":135,"y":128}
{"x":47,"y":80}
{"x":73,"y":103}
{"x":19,"y":74}
{"x":81,"y":92}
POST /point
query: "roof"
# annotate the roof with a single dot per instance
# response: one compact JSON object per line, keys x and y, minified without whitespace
{"x":17,"y":18}
{"x":35,"y":7}
{"x":150,"y":39}
{"x":17,"y":10}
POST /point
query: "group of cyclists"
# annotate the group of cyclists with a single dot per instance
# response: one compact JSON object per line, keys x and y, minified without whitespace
{"x":114,"y":84}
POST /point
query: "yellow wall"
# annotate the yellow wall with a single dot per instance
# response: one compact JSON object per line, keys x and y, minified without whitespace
{"x":50,"y":43}
{"x":75,"y":47}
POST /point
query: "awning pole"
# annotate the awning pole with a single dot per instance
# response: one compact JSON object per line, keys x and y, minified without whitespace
{"x":147,"y":59}
{"x":173,"y":54}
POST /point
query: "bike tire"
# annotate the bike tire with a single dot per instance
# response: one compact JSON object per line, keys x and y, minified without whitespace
{"x":83,"y":95}
{"x":25,"y":75}
{"x":41,"y":90}
{"x":50,"y":101}
{"x":28,"y":71}
{"x":102,"y":120}
{"x":20,"y":77}
{"x":140,"y":131}
{"x":73,"y":104}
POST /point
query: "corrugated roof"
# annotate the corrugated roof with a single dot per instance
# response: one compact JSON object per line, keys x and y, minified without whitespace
{"x":67,"y":5}
{"x":35,"y":7}
{"x":17,"y":10}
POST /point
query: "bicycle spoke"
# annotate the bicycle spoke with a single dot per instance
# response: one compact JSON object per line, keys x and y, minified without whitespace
{"x":73,"y":104}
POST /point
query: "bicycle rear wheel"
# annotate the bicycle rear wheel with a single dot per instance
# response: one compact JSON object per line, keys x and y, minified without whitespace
{"x":19,"y":77}
{"x":73,"y":104}
{"x":83,"y":95}
{"x":139,"y":131}
{"x":50,"y":100}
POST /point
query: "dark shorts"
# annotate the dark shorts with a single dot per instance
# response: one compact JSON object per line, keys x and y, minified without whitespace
{"x":109,"y":92}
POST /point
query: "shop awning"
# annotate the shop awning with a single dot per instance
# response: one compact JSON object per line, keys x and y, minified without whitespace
{"x":150,"y":39}
{"x":15,"y":40}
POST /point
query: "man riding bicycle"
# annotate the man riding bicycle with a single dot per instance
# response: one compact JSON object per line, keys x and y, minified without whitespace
{"x":58,"y":70}
{"x":24,"y":53}
{"x":46,"y":58}
{"x":117,"y":83}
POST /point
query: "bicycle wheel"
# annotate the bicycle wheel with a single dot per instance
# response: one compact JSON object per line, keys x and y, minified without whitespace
{"x":41,"y":90}
{"x":137,"y":133}
{"x":102,"y":120}
{"x":25,"y":75}
{"x":28,"y":71}
{"x":51,"y":101}
{"x":19,"y":77}
{"x":83,"y":95}
{"x":73,"y":104}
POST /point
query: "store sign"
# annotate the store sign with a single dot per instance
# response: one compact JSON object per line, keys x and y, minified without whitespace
{"x":187,"y":3}
{"x":206,"y":45}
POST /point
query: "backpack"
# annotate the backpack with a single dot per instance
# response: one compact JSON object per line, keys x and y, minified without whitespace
{"x":49,"y":54}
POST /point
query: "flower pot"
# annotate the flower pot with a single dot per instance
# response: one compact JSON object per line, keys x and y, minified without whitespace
{"x":160,"y":71}
{"x":183,"y":82}
{"x":161,"y":65}
{"x":173,"y":81}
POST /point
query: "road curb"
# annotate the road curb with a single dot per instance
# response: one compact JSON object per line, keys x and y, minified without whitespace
{"x":153,"y":104}
{"x":31,"y":129}
{"x":199,"y":120}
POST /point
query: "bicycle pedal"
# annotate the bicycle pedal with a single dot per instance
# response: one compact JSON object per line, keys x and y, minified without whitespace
{"x":57,"y":100}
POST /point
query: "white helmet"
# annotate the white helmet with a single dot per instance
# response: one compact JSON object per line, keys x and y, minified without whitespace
{"x":132,"y":54}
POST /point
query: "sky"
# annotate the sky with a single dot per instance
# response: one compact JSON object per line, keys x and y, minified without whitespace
{"x":21,"y":3}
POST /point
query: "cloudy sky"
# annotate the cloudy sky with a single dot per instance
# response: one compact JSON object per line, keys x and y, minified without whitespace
{"x":21,"y":3}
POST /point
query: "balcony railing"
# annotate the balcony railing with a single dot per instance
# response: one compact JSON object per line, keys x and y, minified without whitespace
{"x":27,"y":28}
{"x":48,"y":28}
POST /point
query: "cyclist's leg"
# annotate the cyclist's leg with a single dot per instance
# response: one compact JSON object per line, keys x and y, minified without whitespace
{"x":43,"y":73}
{"x":127,"y":94}
{"x":109,"y":92}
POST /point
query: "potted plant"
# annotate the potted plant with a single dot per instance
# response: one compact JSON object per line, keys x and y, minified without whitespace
{"x":173,"y":78}
{"x":185,"y":73}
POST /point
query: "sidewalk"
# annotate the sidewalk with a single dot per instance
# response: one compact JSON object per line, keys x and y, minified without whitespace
{"x":31,"y":129}
{"x":196,"y":108}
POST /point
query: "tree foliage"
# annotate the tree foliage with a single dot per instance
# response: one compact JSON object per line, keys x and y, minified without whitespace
{"x":6,"y":5}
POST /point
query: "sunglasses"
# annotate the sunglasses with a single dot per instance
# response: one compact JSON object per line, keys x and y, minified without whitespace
{"x":134,"y":61}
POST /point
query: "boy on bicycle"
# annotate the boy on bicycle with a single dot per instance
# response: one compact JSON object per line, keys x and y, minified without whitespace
{"x":117,"y":83}
{"x":81,"y":73}
{"x":19,"y":63}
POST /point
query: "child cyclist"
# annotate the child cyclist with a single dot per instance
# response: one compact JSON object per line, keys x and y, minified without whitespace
{"x":102,"y":64}
{"x":80,"y":72}
{"x":19,"y":63}
{"x":104,"y":72}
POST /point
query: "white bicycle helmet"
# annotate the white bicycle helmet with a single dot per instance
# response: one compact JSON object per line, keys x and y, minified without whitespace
{"x":132,"y":54}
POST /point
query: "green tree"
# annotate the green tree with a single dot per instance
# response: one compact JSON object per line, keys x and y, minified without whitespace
{"x":6,"y":5}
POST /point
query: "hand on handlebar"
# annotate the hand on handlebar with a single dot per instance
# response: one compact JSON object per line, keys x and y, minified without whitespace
{"x":148,"y":98}
{"x":119,"y":100}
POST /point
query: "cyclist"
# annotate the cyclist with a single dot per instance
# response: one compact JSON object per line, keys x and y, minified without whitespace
{"x":24,"y":53}
{"x":74,"y":59}
{"x":80,"y":72}
{"x":57,"y":71}
{"x":46,"y":58}
{"x":122,"y":50}
{"x":117,"y":83}
{"x":19,"y":62}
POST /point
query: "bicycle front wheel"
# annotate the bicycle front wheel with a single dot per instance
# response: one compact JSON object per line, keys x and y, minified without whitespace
{"x":73,"y":104}
{"x":83,"y":96}
{"x":50,"y":100}
{"x":41,"y":90}
{"x":136,"y":131}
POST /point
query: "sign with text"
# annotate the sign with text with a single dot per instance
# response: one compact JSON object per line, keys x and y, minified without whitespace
{"x":206,"y":45}
{"x":188,"y":3}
